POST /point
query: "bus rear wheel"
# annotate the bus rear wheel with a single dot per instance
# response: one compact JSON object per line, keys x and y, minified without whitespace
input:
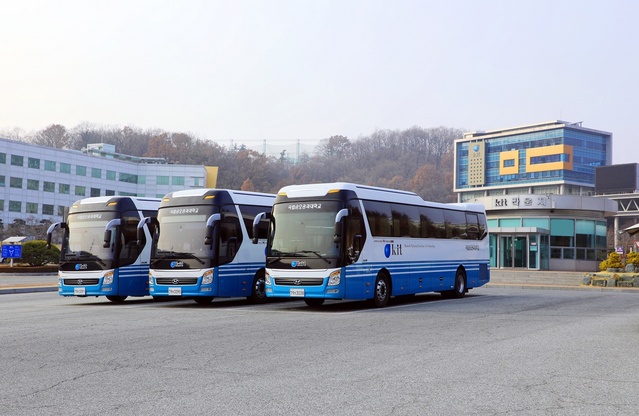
{"x":203,"y":300}
{"x":116,"y":298}
{"x":459,"y":290}
{"x":382,"y":291}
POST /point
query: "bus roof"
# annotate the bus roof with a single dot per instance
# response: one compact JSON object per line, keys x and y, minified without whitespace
{"x":239,"y":197}
{"x":371,"y":193}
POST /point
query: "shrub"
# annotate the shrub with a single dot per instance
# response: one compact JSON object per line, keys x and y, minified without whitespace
{"x":36,"y":253}
{"x":612,"y":262}
{"x":633,"y":258}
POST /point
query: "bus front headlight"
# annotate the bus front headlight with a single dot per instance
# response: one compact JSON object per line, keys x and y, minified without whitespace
{"x":150,"y":279}
{"x":267,"y":278}
{"x":207,"y":277}
{"x":334,"y":278}
{"x":107,"y":279}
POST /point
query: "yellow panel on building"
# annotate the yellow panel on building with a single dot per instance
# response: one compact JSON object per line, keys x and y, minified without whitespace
{"x":512,"y":168}
{"x":211,"y":176}
{"x":560,"y":149}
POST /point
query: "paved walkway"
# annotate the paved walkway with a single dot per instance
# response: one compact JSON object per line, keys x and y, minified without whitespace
{"x":48,"y":282}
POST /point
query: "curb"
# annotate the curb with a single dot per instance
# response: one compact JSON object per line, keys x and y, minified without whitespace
{"x":14,"y":290}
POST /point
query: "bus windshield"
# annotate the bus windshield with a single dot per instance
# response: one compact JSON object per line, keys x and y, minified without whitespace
{"x":85,"y":237}
{"x":182,"y":234}
{"x":305,"y":229}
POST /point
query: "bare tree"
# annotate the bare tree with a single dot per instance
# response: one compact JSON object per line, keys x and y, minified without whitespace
{"x":54,"y":135}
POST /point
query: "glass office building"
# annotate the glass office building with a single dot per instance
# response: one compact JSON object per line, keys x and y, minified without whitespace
{"x":536,"y":183}
{"x":39,"y":182}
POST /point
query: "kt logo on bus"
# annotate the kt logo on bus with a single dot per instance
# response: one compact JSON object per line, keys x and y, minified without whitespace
{"x":392,"y":250}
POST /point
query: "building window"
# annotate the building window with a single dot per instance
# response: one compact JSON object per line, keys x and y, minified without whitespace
{"x":32,"y":208}
{"x":15,"y":206}
{"x":34,"y":163}
{"x":109,"y":192}
{"x":80,"y":190}
{"x":178,"y":180}
{"x":95,"y":192}
{"x":49,"y":165}
{"x":65,"y":167}
{"x":33,"y":184}
{"x":96,"y":173}
{"x":61,"y":210}
{"x":15,"y":182}
{"x":64,"y":189}
{"x":17,"y":160}
{"x":141,"y":180}
{"x":562,"y":233}
{"x":2,"y":181}
{"x":81,"y":170}
{"x":128,"y":178}
{"x":47,"y":209}
{"x":1,"y":204}
{"x":48,"y":186}
{"x":3,"y":158}
{"x":110,"y":175}
{"x":162,"y":180}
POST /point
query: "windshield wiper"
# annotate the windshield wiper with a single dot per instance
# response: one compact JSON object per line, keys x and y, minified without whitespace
{"x":175,"y":255}
{"x":317,"y":254}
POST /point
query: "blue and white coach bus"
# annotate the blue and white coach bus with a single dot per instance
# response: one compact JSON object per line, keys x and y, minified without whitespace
{"x":203,"y":249}
{"x":348,"y":241}
{"x":103,"y":253}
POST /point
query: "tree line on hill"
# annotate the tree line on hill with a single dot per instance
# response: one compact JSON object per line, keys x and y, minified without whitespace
{"x":416,"y":159}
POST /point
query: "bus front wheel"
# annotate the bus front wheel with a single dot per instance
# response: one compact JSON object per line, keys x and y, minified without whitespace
{"x":258,"y":294}
{"x":382,"y":292}
{"x":203,"y":300}
{"x":314,"y":302}
{"x":116,"y":298}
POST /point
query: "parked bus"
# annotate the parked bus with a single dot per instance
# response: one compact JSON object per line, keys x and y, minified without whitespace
{"x":203,"y":248}
{"x":102,"y":252}
{"x":348,"y":241}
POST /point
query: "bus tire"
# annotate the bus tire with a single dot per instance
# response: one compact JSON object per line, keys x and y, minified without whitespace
{"x":314,"y":302}
{"x":258,"y":290}
{"x":381,"y":291}
{"x":116,"y":299}
{"x":459,"y":290}
{"x":203,"y":300}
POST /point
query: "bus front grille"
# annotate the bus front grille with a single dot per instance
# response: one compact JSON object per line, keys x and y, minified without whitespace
{"x":176,"y":281}
{"x":292,"y":281}
{"x":80,"y":282}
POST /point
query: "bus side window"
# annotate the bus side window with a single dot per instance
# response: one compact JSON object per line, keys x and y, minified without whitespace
{"x":355,"y":231}
{"x":230,"y":235}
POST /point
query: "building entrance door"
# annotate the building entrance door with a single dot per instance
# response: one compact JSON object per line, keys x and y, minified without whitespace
{"x":505,"y":251}
{"x":513,"y":251}
{"x":520,"y":251}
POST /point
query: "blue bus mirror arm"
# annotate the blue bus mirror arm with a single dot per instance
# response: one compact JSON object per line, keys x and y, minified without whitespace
{"x":256,"y":224}
{"x":211,"y":222}
{"x":52,"y":228}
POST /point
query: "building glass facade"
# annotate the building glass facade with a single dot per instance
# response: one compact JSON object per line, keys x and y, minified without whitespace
{"x":535,"y":182}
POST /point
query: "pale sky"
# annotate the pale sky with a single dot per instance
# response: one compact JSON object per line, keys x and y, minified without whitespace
{"x":288,"y":70}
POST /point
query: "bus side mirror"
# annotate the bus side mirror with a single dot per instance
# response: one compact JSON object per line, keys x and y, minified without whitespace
{"x":107,"y":239}
{"x":256,"y":225}
{"x":211,"y":222}
{"x":140,"y":231}
{"x":108,"y":231}
{"x":51,"y":229}
{"x":337,"y":238}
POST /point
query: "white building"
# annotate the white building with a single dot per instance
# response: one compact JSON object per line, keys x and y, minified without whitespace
{"x":39,"y":182}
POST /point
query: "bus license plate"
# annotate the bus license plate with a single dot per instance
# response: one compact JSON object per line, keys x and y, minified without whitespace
{"x":297,"y":292}
{"x":175,"y":291}
{"x":79,"y":291}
